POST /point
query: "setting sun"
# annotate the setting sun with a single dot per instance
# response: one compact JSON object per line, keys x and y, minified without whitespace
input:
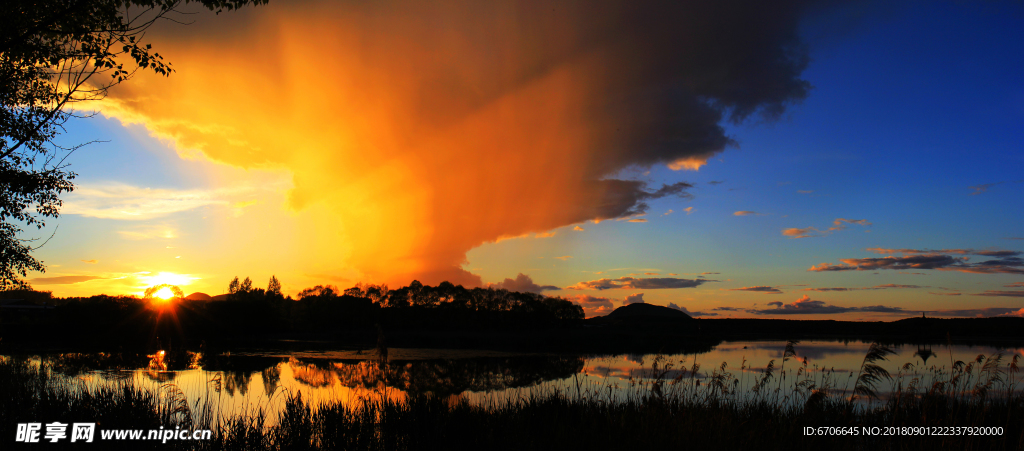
{"x":164,"y":293}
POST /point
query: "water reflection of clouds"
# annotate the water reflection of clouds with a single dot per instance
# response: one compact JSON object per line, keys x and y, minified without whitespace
{"x":234,"y":382}
{"x":310,"y":375}
{"x":815,"y":351}
{"x":631,"y":372}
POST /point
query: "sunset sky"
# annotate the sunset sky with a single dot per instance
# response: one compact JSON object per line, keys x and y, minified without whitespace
{"x":798,"y":160}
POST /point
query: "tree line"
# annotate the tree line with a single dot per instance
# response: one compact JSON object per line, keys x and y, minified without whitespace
{"x":255,"y":312}
{"x":445,"y":296}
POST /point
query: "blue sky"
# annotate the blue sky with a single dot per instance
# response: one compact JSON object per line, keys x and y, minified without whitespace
{"x":913,"y":125}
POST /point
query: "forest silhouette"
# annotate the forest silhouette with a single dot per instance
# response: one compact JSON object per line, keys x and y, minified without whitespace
{"x":420,"y":316}
{"x":358,"y":314}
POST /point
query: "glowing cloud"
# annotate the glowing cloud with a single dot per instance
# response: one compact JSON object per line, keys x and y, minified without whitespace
{"x":120,"y":201}
{"x":592,"y":306}
{"x":418,"y":131}
{"x":800,"y":233}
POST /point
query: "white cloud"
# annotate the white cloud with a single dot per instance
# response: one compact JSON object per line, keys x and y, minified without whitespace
{"x":114,"y":200}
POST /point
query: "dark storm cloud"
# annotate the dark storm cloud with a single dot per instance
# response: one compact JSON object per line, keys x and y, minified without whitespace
{"x":1012,"y":294}
{"x":652,"y":283}
{"x":624,"y":198}
{"x":1006,"y":264}
{"x":831,"y":289}
{"x":806,"y":306}
{"x":876,"y":287}
{"x":893,"y":285}
{"x":988,"y":253}
{"x":978,"y":189}
{"x":679,"y":77}
{"x":973,"y":313}
{"x":693,"y":314}
{"x":522,"y":283}
{"x":998,"y":253}
{"x":760,"y":289}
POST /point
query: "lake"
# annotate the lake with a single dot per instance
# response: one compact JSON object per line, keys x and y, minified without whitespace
{"x":243,"y":382}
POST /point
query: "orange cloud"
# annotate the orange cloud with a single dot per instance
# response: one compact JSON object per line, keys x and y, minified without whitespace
{"x":416,"y":132}
{"x":592,"y":305}
{"x":800,"y":233}
{"x":1018,"y":313}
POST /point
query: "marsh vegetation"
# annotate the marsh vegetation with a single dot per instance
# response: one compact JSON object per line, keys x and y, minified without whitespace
{"x":668,"y":404}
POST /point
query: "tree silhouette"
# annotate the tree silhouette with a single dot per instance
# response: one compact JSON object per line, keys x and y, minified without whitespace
{"x":246,"y":285}
{"x":274,"y":287}
{"x":53,"y":55}
{"x":319,"y":292}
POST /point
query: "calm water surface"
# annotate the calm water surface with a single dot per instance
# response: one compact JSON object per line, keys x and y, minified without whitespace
{"x":244,"y":382}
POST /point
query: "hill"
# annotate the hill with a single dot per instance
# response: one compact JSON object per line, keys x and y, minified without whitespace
{"x":644,"y":310}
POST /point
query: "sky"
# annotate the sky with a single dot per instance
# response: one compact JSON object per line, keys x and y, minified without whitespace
{"x":799,"y":160}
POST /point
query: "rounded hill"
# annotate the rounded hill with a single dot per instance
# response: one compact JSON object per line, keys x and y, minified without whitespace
{"x":645,"y":310}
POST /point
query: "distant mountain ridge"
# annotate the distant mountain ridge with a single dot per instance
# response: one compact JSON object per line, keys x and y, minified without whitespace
{"x":645,"y":310}
{"x":199,"y":296}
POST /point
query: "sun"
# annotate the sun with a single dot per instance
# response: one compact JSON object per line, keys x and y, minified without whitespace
{"x":164,"y":293}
